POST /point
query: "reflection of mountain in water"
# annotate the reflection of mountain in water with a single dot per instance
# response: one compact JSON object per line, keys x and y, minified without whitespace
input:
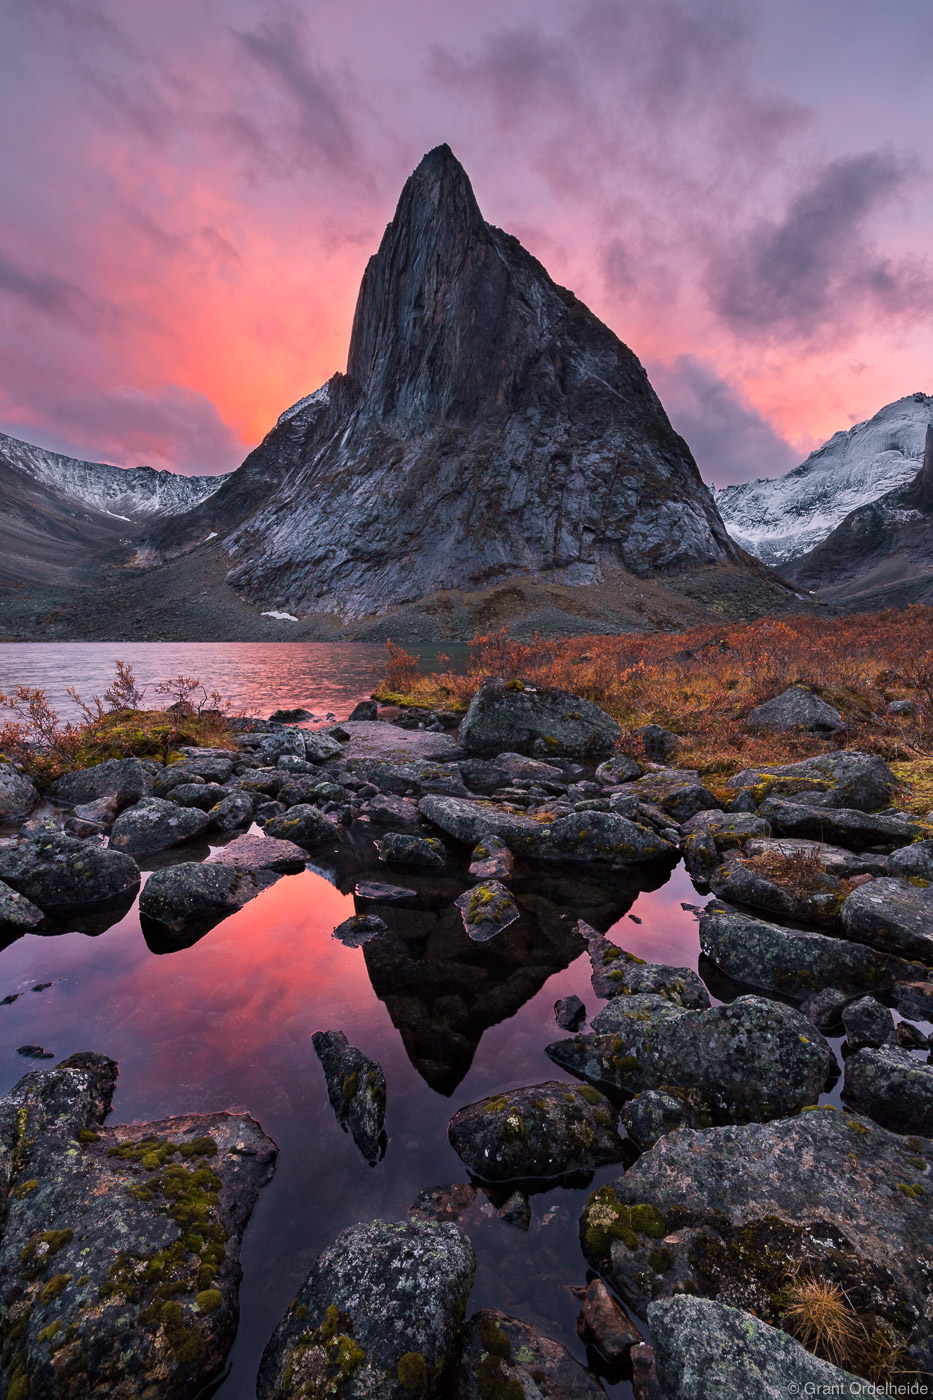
{"x":442,"y":990}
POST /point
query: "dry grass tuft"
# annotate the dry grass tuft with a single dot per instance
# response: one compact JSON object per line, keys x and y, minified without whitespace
{"x":820,"y":1314}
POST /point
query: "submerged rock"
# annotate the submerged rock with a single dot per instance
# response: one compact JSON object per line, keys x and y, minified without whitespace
{"x":119,"y":1261}
{"x":896,"y":1089}
{"x":604,"y":1325}
{"x":60,"y":873}
{"x":359,"y":929}
{"x":844,"y":779}
{"x":704,"y":1350}
{"x":889,"y":914}
{"x":155,"y":825}
{"x":733,"y":1213}
{"x":510,"y":715}
{"x":795,"y":709}
{"x":752,"y":1060}
{"x":487,"y":909}
{"x":378,"y":1316}
{"x":791,"y":962}
{"x":356,"y":1088}
{"x":18,"y":795}
{"x":549,"y":1131}
{"x":505,"y":1359}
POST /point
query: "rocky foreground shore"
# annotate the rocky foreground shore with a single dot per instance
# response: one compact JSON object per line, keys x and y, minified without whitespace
{"x":742,"y":1197}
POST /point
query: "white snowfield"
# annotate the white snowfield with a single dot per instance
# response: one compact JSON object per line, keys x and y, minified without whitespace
{"x":781,"y":518}
{"x":126,"y":493}
{"x":281,"y":616}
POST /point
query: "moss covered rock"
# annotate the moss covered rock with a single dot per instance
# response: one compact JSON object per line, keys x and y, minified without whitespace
{"x":377,"y":1319}
{"x":119,"y":1267}
{"x":733,"y":1213}
{"x":356,"y":1088}
{"x":549,"y":1130}
{"x":505,"y":1359}
{"x":60,"y":873}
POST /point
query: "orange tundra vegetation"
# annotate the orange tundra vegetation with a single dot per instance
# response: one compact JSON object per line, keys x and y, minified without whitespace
{"x":702,"y":683}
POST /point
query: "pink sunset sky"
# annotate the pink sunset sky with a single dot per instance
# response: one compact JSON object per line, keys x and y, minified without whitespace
{"x":741,"y":189}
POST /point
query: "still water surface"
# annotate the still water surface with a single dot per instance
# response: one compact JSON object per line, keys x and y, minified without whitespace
{"x":227,"y":1023}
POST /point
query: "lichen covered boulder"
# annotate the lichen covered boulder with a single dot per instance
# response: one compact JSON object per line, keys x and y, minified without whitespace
{"x":378,"y":1317}
{"x":122,"y":780}
{"x":486,"y":910}
{"x":505,"y":1359}
{"x":304,"y":825}
{"x":795,"y":709}
{"x":893,"y":1087}
{"x":733,"y":1213}
{"x":18,"y":795}
{"x":619,"y":973}
{"x":356,"y":1087}
{"x":60,"y":873}
{"x":119,"y":1260}
{"x":847,"y":778}
{"x":155,"y":824}
{"x":707,"y":1351}
{"x":17,"y":915}
{"x":792,"y":962}
{"x":752,"y":1060}
{"x":183,"y":901}
{"x":513,"y":716}
{"x":845,"y":826}
{"x":412,"y":852}
{"x":548,"y":1131}
{"x":600,"y":836}
{"x":891,"y":914}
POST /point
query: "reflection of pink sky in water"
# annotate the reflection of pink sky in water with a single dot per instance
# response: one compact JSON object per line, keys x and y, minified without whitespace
{"x":668,"y":933}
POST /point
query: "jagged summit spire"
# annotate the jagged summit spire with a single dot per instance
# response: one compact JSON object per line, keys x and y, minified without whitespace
{"x":921,"y":488}
{"x":412,"y":296}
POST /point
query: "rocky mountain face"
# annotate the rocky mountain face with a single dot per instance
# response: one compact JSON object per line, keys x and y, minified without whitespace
{"x":493,"y":449}
{"x":781,"y":519}
{"x":130,"y":494}
{"x":880,"y":555}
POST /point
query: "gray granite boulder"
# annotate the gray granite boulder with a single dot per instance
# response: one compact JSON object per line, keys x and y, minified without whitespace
{"x":893,"y":1087}
{"x":202,"y":795}
{"x":599,"y":836}
{"x":260,"y":853}
{"x":732,"y":1213}
{"x":548,"y":1131}
{"x":60,"y":873}
{"x":843,"y":826}
{"x":17,"y":915}
{"x":729,"y":830}
{"x":891,"y":914}
{"x":868,"y":1023}
{"x":649,"y":1116}
{"x":752,"y":1060}
{"x":318,"y":747}
{"x":846,"y":779}
{"x":236,"y":809}
{"x":183,"y":900}
{"x":377,"y":1319}
{"x":504,"y":1359}
{"x":511,"y":715}
{"x":704,"y":1350}
{"x":815,"y":898}
{"x":284,"y":741}
{"x":124,"y":780}
{"x":619,"y":769}
{"x":356,"y":1087}
{"x":914,"y":862}
{"x":302,"y":824}
{"x":207,"y":766}
{"x":155,"y":824}
{"x":795,"y":709}
{"x":678,"y":792}
{"x":18,"y":795}
{"x":791,"y":962}
{"x":119,"y":1260}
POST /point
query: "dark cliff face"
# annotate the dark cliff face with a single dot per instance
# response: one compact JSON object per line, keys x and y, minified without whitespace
{"x":489,"y":427}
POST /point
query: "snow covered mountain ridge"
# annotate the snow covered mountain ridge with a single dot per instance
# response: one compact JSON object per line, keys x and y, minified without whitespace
{"x":128,"y":493}
{"x":782,"y":518}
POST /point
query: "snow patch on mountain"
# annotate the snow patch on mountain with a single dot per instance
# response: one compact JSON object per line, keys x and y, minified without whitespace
{"x":126,"y":493}
{"x":782,"y":518}
{"x":320,"y":396}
